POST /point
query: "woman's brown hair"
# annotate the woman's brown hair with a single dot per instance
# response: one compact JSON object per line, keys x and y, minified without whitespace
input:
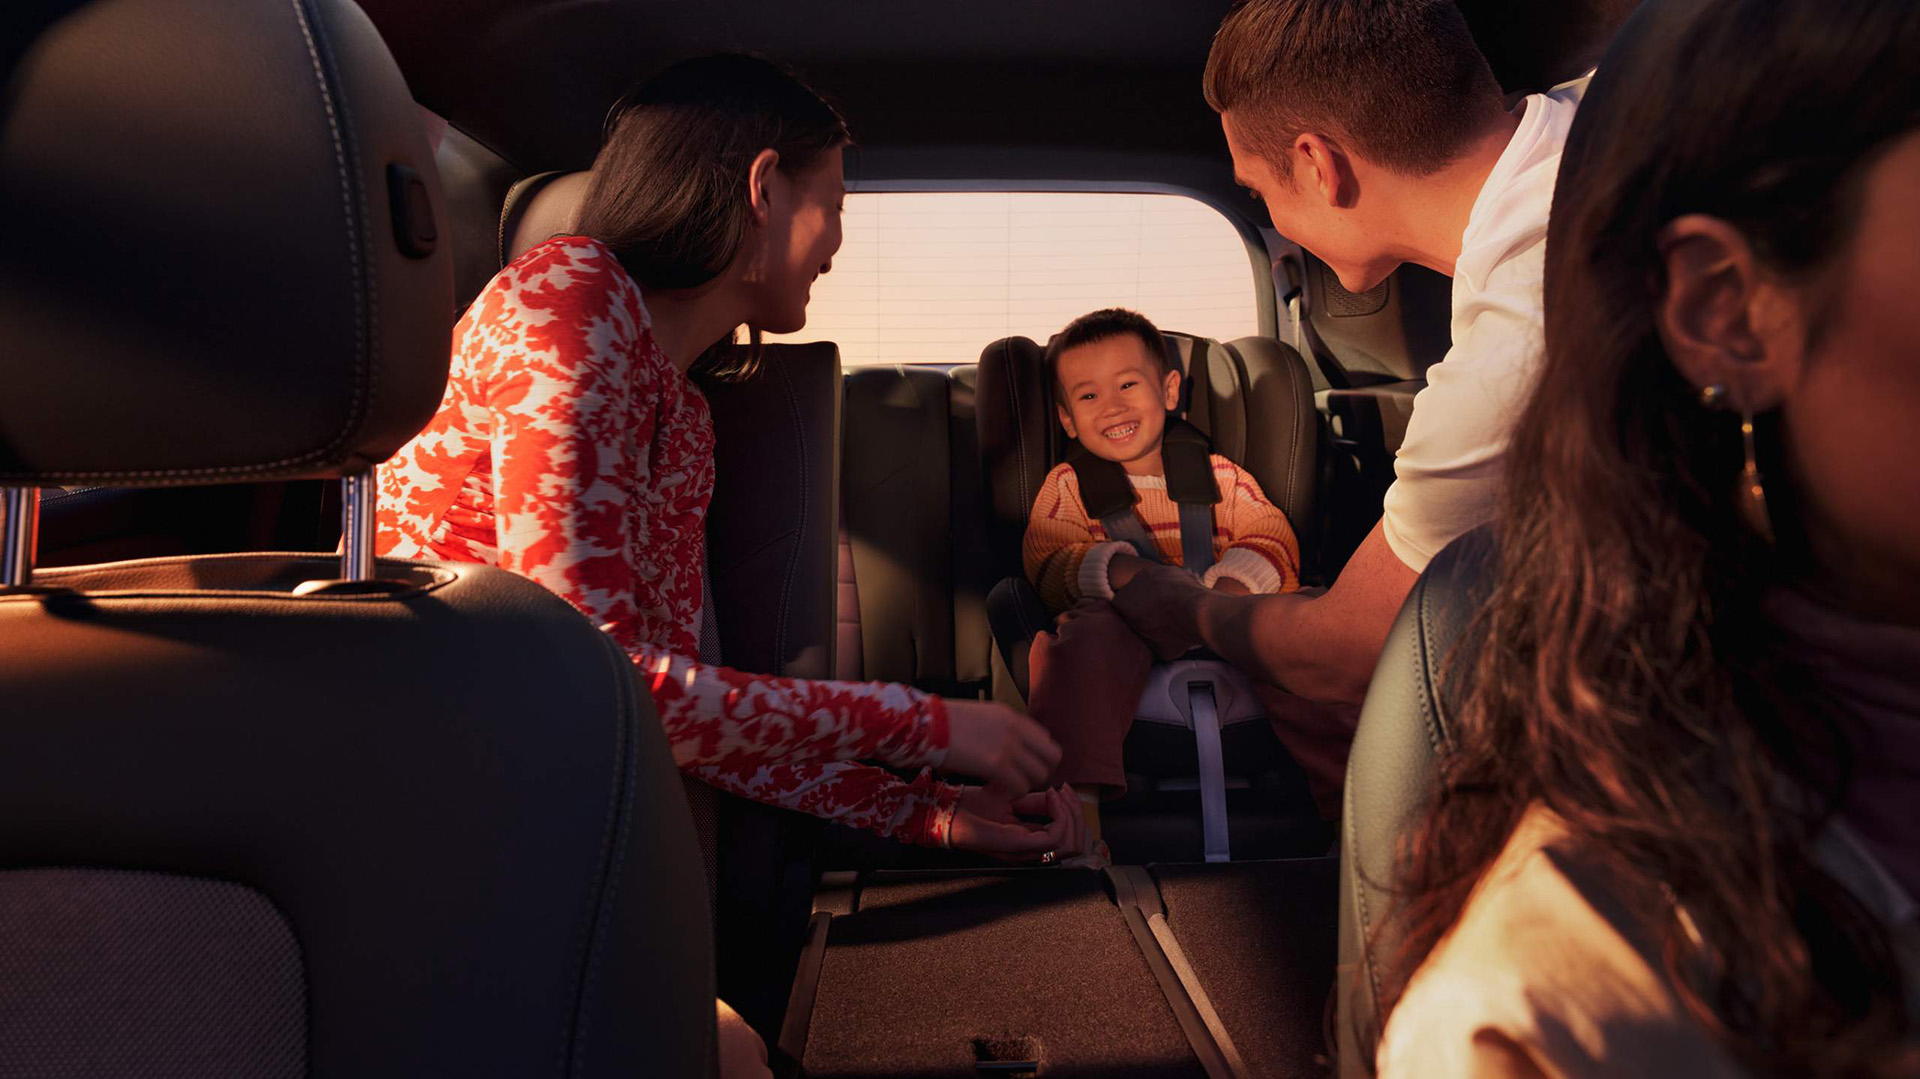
{"x":668,"y":188}
{"x":1621,"y":674}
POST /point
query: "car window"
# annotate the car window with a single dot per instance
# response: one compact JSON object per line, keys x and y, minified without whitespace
{"x":931,"y":277}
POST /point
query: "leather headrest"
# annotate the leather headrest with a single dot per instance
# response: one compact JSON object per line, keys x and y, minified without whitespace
{"x":538,"y":208}
{"x":226,"y":256}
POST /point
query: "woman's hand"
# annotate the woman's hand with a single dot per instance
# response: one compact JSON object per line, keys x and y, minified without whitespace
{"x":998,"y":745}
{"x":1232,"y":586}
{"x":987,"y":823}
{"x":742,"y":1054}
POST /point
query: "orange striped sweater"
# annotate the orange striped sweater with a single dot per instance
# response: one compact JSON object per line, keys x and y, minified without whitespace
{"x":1066,"y":552}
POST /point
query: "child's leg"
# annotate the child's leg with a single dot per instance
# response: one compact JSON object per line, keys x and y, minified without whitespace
{"x":1085,"y":681}
{"x":1319,"y":735}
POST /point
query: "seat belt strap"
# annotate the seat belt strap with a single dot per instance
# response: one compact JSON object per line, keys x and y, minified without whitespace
{"x":1213,"y":772}
{"x":1196,"y":537}
{"x":1129,"y":529}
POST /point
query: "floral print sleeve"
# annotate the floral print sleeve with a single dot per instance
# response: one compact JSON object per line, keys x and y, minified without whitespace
{"x":568,"y":431}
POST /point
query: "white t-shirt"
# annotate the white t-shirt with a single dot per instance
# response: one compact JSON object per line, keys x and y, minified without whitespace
{"x":1447,"y":472}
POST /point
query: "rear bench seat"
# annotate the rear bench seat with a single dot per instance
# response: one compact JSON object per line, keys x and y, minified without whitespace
{"x":914,"y":529}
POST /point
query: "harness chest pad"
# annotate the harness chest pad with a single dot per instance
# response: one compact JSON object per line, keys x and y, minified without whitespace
{"x":1187,"y":454}
{"x":1109,"y":495}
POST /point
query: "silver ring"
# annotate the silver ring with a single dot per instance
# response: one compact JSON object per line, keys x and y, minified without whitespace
{"x":1047,"y":858}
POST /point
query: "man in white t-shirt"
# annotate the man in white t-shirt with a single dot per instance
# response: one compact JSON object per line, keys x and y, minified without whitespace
{"x":1377,"y":136}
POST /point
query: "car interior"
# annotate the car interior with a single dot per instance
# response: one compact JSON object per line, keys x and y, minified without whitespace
{"x":263,"y":813}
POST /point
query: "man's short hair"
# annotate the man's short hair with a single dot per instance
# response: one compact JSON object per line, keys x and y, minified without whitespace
{"x":1099,"y":326}
{"x":1400,"y":82}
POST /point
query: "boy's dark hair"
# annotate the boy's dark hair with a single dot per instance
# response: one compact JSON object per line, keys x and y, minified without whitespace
{"x":1099,"y":326}
{"x":1401,"y":82}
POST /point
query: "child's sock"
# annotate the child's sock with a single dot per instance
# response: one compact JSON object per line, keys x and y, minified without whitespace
{"x":1090,"y":813}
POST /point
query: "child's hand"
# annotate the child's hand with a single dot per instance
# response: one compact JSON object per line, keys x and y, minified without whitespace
{"x":1122,"y":569}
{"x":1232,"y":586}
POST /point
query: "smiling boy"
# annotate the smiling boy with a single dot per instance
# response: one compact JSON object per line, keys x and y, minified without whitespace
{"x":1114,"y":390}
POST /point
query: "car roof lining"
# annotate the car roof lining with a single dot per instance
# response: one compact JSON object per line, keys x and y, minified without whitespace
{"x":1108,"y":87}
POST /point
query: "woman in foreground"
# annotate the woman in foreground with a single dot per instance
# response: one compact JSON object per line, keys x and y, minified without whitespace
{"x":1675,"y":835}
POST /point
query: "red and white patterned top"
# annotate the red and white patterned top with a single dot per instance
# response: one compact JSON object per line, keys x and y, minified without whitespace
{"x":569,"y":450}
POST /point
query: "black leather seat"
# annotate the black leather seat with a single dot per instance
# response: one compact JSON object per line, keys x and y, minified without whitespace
{"x":1390,"y":774}
{"x":915,"y":528}
{"x":418,"y":824}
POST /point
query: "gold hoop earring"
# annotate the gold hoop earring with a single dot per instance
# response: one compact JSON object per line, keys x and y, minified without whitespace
{"x":1712,"y":397}
{"x":1753,"y":491}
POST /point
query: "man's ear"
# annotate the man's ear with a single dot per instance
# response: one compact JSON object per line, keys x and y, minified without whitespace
{"x":762,"y":176}
{"x":1324,"y":167}
{"x":1066,"y":420}
{"x":1170,"y":388}
{"x":1719,"y":317}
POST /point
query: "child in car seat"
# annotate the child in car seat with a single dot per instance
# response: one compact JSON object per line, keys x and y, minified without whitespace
{"x":1116,"y":390}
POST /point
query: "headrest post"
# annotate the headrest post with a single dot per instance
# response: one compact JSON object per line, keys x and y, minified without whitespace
{"x":356,"y":526}
{"x":22,"y":509}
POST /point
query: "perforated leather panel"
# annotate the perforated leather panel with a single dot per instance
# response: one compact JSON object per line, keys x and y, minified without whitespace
{"x":1342,"y":303}
{"x":109,"y":974}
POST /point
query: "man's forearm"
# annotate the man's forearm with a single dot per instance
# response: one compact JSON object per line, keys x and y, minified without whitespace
{"x":1321,"y":647}
{"x":1294,"y":641}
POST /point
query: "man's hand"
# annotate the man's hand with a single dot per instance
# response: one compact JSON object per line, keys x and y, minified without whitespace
{"x":1121,"y":568}
{"x":1161,"y":603}
{"x":987,"y":823}
{"x":994,"y":743}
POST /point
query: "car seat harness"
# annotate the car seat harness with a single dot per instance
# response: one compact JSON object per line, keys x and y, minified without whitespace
{"x":1186,"y":453}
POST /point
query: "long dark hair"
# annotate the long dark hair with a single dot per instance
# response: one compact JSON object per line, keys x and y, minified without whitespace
{"x":667,"y":190}
{"x":1622,"y":675}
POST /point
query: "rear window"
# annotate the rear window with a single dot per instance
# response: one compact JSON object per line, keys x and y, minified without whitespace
{"x":934,"y":277}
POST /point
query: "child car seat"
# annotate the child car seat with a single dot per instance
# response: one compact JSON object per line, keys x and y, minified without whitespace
{"x":1200,"y":725}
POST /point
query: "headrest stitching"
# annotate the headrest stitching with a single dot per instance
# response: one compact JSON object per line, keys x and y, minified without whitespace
{"x":357,"y":406}
{"x":366,"y":313}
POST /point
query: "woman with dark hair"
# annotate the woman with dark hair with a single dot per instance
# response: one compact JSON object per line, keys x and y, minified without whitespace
{"x":572,"y":448}
{"x":1674,"y":834}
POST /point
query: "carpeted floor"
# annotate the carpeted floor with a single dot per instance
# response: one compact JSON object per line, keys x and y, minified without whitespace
{"x":1262,"y":937}
{"x":930,"y":977}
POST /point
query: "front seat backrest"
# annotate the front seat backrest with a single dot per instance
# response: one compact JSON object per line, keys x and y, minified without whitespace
{"x":538,"y":208}
{"x":254,"y":822}
{"x":1404,"y":732}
